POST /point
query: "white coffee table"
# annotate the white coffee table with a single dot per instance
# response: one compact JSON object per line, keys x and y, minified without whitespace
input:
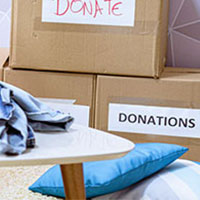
{"x":70,"y":149}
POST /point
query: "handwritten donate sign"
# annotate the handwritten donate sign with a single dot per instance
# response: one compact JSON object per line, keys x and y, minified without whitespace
{"x":100,"y":12}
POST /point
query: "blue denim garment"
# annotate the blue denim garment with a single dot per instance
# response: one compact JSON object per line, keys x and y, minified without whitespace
{"x":20,"y":114}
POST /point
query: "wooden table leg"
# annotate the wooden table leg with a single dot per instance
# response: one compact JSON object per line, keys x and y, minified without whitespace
{"x":72,"y":175}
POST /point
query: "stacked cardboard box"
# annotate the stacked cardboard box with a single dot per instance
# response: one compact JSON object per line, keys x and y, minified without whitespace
{"x":78,"y":87}
{"x":148,"y":110}
{"x":38,"y":42}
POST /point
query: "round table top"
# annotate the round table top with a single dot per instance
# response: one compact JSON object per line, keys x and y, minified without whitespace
{"x":79,"y":144}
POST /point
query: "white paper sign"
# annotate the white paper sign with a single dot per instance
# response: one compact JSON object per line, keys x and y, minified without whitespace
{"x":80,"y":113}
{"x":179,"y":122}
{"x":101,"y":12}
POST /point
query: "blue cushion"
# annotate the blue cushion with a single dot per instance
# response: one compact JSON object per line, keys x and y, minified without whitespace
{"x":179,"y":180}
{"x":104,"y":177}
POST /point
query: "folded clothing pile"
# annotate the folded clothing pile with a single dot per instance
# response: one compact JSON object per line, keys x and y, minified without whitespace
{"x":21,"y":114}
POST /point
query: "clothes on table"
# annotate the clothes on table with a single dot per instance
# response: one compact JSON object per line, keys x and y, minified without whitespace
{"x":21,"y":114}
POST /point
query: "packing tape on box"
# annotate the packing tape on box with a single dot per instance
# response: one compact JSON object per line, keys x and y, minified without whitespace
{"x":140,"y":28}
{"x":154,"y":102}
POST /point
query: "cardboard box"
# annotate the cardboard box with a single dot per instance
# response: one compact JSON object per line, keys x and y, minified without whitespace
{"x":55,"y":85}
{"x":120,"y":50}
{"x":4,"y":52}
{"x":148,"y":110}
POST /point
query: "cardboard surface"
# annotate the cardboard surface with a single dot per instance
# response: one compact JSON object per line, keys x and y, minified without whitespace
{"x":4,"y":52}
{"x":133,"y":51}
{"x":175,"y":90}
{"x":55,"y":85}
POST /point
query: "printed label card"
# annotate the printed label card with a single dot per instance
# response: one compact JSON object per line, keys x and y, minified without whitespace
{"x":181,"y":122}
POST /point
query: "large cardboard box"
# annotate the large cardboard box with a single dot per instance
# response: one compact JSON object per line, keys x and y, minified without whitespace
{"x":78,"y":87}
{"x":122,"y":50}
{"x":4,"y":52}
{"x":148,"y":110}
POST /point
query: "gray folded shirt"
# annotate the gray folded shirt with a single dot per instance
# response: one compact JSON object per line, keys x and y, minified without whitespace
{"x":21,"y":114}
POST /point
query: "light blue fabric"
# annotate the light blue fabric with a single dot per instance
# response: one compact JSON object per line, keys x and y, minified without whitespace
{"x":178,"y":181}
{"x":105,"y":177}
{"x":35,"y":109}
{"x":20,"y":114}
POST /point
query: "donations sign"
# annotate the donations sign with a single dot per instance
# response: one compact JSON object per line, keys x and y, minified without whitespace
{"x":99,"y":12}
{"x":182,"y":122}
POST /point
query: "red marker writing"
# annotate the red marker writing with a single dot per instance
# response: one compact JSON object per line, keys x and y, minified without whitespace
{"x":92,"y":8}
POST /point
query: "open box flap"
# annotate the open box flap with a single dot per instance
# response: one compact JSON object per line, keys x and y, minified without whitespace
{"x":4,"y":53}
